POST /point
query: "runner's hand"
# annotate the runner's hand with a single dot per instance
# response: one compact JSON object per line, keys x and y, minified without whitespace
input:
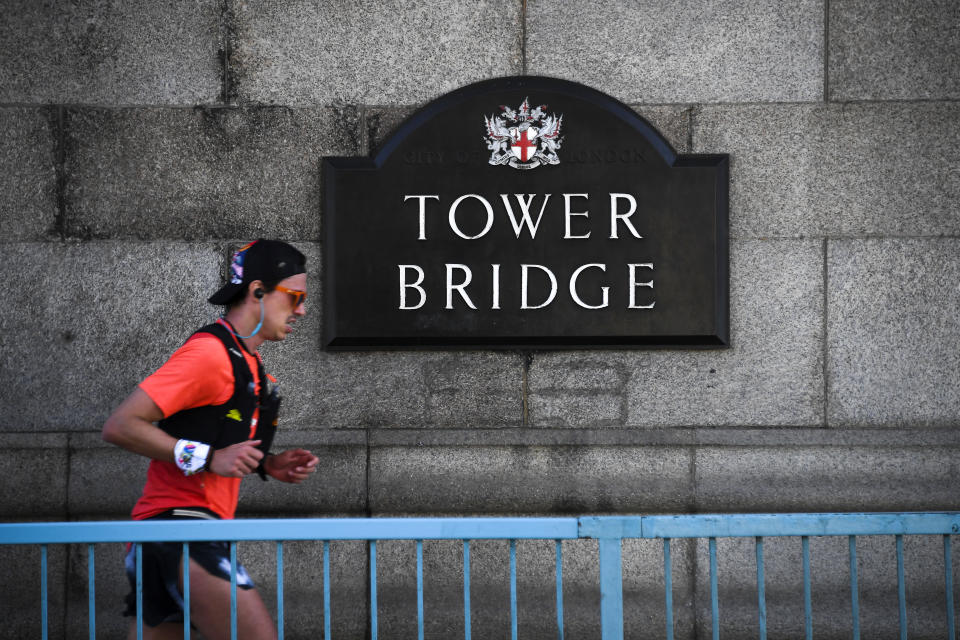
{"x":237,"y":460}
{"x":293,"y":465}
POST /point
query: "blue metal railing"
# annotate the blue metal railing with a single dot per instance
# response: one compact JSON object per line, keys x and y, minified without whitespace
{"x":609,"y":531}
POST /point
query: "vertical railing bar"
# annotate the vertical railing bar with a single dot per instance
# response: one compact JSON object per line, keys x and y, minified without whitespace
{"x":419,"y":589}
{"x":233,"y":590}
{"x":714,"y":599}
{"x":91,"y":597}
{"x":948,"y":586}
{"x":43,"y":592}
{"x":611,"y":587}
{"x":761,"y":591}
{"x":854,"y":589}
{"x":807,"y":604}
{"x":373,"y":590}
{"x":186,"y":590}
{"x":559,"y":580}
{"x":513,"y":589}
{"x":901,"y":589}
{"x":139,"y":572}
{"x":466,"y":589}
{"x":326,"y":590}
{"x":280,"y":590}
{"x":668,"y":586}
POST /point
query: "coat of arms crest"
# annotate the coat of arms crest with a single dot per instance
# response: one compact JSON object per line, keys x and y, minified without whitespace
{"x":524,"y":138}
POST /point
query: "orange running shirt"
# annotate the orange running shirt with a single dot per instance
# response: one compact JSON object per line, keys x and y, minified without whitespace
{"x":197,"y":374}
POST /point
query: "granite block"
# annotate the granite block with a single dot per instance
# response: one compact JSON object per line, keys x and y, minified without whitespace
{"x":809,"y":170}
{"x":338,"y":486}
{"x":90,"y":320}
{"x":771,"y":375}
{"x":830,"y":589}
{"x":110,"y":589}
{"x":28,"y":173}
{"x":388,"y":389}
{"x":377,"y":389}
{"x":303,"y":585}
{"x":368,"y":52}
{"x":443,"y":562}
{"x":892,"y":332}
{"x":20,"y":603}
{"x":694,"y":52}
{"x":105,"y":481}
{"x":528,"y":479}
{"x":210,"y":173}
{"x":828,"y":479}
{"x":775,"y":155}
{"x":671,"y":121}
{"x":381,"y":123}
{"x":894,"y":50}
{"x":34,"y":486}
{"x":891,"y":169}
{"x":111,"y":52}
{"x":476,"y":389}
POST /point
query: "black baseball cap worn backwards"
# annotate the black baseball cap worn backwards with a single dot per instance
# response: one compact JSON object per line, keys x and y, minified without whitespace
{"x":265,"y":260}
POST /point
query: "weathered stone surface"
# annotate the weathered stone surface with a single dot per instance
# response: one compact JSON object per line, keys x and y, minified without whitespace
{"x":830,"y":589}
{"x":110,"y":589}
{"x":338,"y":486}
{"x":644,"y":436}
{"x":671,"y":121}
{"x":801,"y":170}
{"x":852,"y":478}
{"x":894,"y":50}
{"x":20,"y":590}
{"x":89,"y":321}
{"x":772,"y":374}
{"x":28,"y":173}
{"x":692,"y":52}
{"x":388,"y":389}
{"x":381,"y":123}
{"x":893,"y":332}
{"x":303,"y":585}
{"x":109,"y":53}
{"x":211,"y":173}
{"x":25,"y":458}
{"x":518,"y":479}
{"x":104,"y":481}
{"x":349,"y":390}
{"x":536,"y":588}
{"x":304,"y":52}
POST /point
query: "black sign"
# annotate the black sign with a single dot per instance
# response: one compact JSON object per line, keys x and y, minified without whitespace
{"x":525,"y":212}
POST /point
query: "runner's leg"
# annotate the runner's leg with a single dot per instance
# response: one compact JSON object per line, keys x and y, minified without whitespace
{"x":210,"y":608}
{"x":165,"y":631}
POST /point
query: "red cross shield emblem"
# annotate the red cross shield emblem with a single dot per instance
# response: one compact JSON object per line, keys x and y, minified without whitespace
{"x":523,"y":143}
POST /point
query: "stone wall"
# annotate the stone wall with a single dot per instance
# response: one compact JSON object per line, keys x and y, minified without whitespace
{"x":140,"y":142}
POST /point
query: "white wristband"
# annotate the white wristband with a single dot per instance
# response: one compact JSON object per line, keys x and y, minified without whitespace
{"x":191,"y":456}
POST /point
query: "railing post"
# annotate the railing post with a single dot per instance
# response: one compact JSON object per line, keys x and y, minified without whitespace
{"x":611,"y":590}
{"x":609,"y":532}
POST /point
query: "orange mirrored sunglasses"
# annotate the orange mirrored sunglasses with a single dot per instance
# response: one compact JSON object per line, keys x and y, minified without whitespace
{"x":299,"y":297}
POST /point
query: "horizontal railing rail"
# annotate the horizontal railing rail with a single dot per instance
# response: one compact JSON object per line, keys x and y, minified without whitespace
{"x":610,"y":531}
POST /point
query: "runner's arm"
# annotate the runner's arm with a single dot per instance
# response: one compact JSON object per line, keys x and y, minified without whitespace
{"x":131,"y":427}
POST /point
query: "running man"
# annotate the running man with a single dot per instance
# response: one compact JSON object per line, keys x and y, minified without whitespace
{"x":206,"y":418}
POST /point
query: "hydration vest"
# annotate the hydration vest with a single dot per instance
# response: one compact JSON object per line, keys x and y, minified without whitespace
{"x":222,"y":425}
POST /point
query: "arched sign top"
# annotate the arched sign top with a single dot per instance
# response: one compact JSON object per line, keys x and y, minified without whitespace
{"x":525,"y":212}
{"x":532,"y":88}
